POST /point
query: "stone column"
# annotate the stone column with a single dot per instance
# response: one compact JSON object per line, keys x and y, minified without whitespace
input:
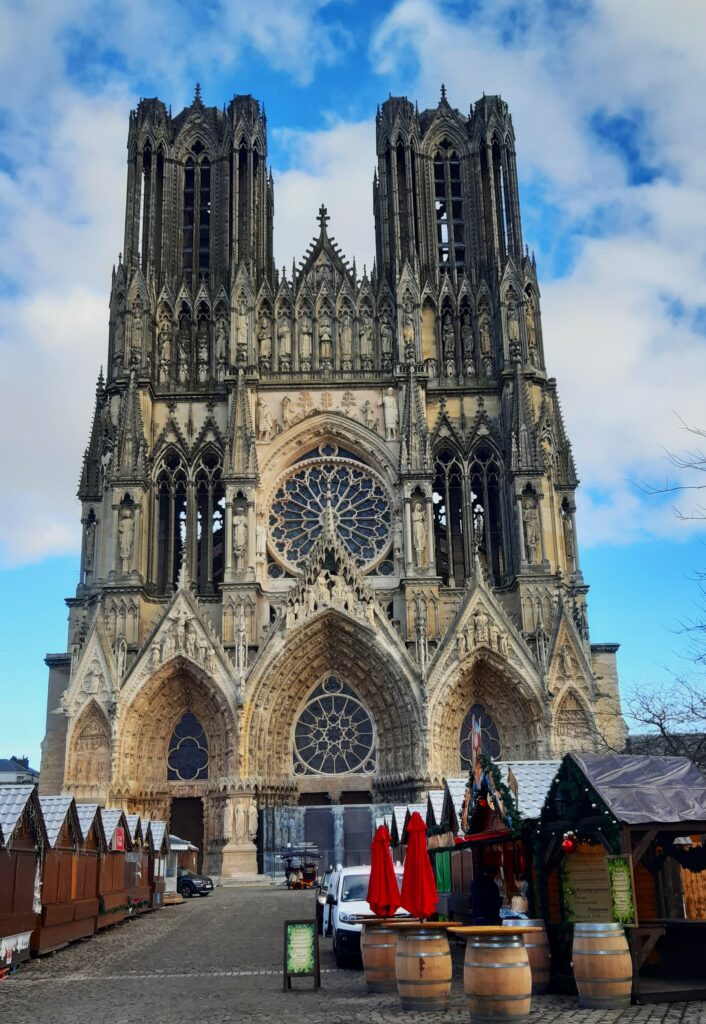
{"x":229,"y":538}
{"x":408,"y":557}
{"x":521,"y":529}
{"x":337,"y":811}
{"x":251,"y":538}
{"x":431,"y":553}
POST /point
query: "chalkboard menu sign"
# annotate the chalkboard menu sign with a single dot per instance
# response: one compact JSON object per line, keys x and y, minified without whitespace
{"x":622,"y":890}
{"x":301,"y":952}
{"x":586,"y":885}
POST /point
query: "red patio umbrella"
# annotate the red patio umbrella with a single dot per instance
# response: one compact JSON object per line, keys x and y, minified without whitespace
{"x":419,"y":893}
{"x":383,"y":890}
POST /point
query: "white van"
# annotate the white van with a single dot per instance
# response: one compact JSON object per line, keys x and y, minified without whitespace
{"x":346,"y":903}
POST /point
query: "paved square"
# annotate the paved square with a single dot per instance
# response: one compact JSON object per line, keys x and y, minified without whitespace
{"x":219,"y":959}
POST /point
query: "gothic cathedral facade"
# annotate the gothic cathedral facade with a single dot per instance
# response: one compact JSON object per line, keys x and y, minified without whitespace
{"x":328,"y":518}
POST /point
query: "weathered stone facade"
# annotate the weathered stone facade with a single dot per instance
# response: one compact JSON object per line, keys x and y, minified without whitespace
{"x":324,"y":514}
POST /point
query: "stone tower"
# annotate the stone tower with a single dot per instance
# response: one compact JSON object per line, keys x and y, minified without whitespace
{"x":328,"y":519}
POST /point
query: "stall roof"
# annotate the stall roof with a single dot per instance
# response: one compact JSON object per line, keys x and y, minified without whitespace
{"x":55,"y":810}
{"x":180,"y":844}
{"x":642,"y":790}
{"x":13,"y":800}
{"x":111,"y":820}
{"x":158,"y":830}
{"x":87,"y":815}
{"x":398,"y":815}
{"x":435,"y":803}
{"x":134,"y":824}
{"x":533,"y":781}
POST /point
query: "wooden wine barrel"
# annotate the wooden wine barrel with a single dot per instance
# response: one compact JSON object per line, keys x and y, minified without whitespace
{"x":602,"y":966}
{"x":497,"y":978}
{"x":378,"y":945}
{"x":423,"y":968}
{"x":538,"y":954}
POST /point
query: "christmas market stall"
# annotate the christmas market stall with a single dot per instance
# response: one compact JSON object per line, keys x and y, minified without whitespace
{"x":23,"y":840}
{"x":67,"y":912}
{"x":622,"y":841}
{"x":487,"y":817}
{"x":137,"y":868}
{"x":399,"y":813}
{"x":182,"y":854}
{"x":112,"y":887}
{"x":94,"y":848}
{"x":158,"y":847}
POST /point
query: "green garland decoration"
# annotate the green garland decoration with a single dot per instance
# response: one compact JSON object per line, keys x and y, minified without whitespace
{"x":512,"y":817}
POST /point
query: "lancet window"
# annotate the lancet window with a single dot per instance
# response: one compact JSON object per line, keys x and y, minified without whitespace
{"x":478,"y":731}
{"x":489,"y":512}
{"x":171,"y":520}
{"x":196,"y":212}
{"x":448,"y":207}
{"x":448,"y":505}
{"x":187,"y":760}
{"x":210,"y":522}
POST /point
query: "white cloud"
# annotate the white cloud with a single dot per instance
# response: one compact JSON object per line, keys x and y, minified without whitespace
{"x":624,"y":327}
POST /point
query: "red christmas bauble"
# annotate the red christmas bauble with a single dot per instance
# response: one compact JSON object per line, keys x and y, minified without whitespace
{"x":569,"y":845}
{"x":482,"y":802}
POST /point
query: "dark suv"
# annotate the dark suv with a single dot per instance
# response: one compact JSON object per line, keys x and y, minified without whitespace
{"x":191,"y":884}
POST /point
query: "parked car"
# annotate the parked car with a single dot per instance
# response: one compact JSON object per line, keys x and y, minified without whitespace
{"x":190,"y":884}
{"x":346,"y":904}
{"x":321,"y":899}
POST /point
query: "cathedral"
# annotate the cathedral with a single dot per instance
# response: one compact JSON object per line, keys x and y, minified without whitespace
{"x":328,"y":518}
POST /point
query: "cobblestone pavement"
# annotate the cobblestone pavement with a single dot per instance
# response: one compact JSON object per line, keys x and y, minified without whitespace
{"x":220,"y":959}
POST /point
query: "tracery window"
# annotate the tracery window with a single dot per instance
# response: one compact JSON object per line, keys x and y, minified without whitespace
{"x":210,"y":522}
{"x":448,"y":206}
{"x":335,"y":489}
{"x":334,"y":734}
{"x":489,"y":736}
{"x":447,"y":505}
{"x":187,"y":760}
{"x":489,"y":511}
{"x":196,"y":212}
{"x":171,"y":520}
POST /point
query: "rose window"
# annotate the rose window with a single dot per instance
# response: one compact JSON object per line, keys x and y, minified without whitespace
{"x":334,"y":734}
{"x":335,"y":491}
{"x":489,"y":736}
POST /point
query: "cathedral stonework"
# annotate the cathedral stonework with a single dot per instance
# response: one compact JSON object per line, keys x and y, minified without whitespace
{"x":327,"y":518}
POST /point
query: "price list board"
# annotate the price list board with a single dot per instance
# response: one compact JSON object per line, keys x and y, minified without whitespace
{"x":586,"y":885}
{"x":622,"y":890}
{"x":301,"y":952}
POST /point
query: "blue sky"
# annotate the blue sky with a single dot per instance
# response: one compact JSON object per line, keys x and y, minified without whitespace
{"x":611,"y":135}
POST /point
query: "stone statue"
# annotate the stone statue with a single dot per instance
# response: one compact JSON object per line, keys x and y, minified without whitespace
{"x":202,"y":350}
{"x":408,"y":333}
{"x":486,"y":345}
{"x":386,"y":333}
{"x":323,"y":594}
{"x":240,"y":539}
{"x":338,"y":595}
{"x":221,"y":347}
{"x":228,"y":820}
{"x":265,"y":337}
{"x":121,"y":656}
{"x":531,"y":323}
{"x":305,"y":333}
{"x":568,"y":539}
{"x":90,"y":544}
{"x":240,"y":824}
{"x":119,"y":341}
{"x":265,"y":422}
{"x":513,"y":322}
{"x":126,"y":534}
{"x":480,"y":625}
{"x":242,"y":330}
{"x":325,"y":338}
{"x":369,"y":417}
{"x":448,"y":338}
{"x":284,"y":336}
{"x":419,"y":534}
{"x":164,"y":355}
{"x":287,"y":414}
{"x":252,"y":821}
{"x":531,"y":525}
{"x":261,"y":538}
{"x":347,"y":338}
{"x":390,"y":414}
{"x":366,"y":336}
{"x":184,"y":349}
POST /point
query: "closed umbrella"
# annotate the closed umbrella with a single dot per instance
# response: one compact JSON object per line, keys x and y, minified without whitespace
{"x":419,"y":893}
{"x":383,"y":890}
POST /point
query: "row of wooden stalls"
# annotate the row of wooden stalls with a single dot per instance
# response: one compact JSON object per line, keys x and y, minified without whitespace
{"x":68,"y":870}
{"x":589,"y":838}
